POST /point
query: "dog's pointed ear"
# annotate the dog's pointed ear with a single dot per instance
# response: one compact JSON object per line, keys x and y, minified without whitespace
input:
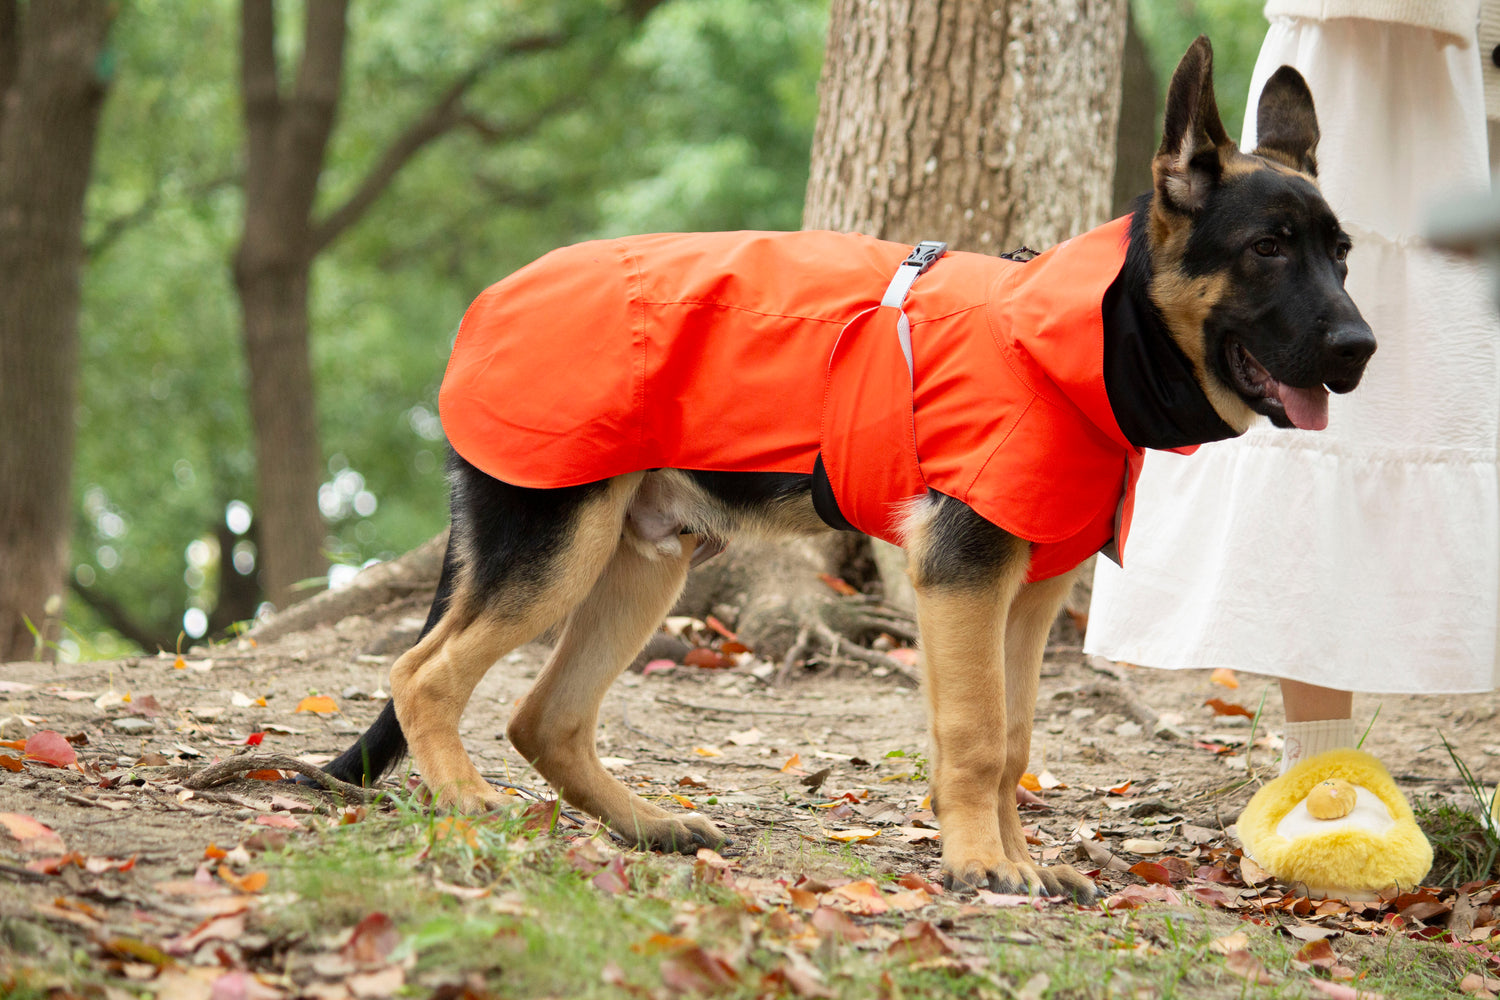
{"x":1189,"y":162}
{"x":1286,"y":126}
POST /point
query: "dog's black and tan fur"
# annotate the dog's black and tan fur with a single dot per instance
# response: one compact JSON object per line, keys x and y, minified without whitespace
{"x":1244,"y":266}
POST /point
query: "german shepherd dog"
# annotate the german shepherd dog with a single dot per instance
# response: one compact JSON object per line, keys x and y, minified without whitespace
{"x":1238,"y":265}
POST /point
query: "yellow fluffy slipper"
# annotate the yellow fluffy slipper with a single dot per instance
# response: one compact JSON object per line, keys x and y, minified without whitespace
{"x":1337,"y":824}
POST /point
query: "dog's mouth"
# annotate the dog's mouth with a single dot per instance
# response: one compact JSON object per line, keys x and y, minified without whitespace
{"x":1286,"y":405}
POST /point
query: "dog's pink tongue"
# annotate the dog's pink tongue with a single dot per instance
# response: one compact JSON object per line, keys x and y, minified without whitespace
{"x":1306,"y":408}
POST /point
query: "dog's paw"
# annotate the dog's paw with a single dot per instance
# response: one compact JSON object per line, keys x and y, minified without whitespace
{"x":676,"y":835}
{"x":1000,"y":876}
{"x":1065,"y":880}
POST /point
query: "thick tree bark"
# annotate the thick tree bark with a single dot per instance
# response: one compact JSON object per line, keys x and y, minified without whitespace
{"x":986,"y":123}
{"x":286,"y":137}
{"x":51,"y":92}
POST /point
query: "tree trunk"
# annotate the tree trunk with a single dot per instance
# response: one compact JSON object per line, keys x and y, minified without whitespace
{"x":51,"y":92}
{"x":985,"y":123}
{"x":1135,"y":137}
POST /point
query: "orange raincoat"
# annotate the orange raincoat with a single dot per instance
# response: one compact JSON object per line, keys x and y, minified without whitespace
{"x":756,"y":352}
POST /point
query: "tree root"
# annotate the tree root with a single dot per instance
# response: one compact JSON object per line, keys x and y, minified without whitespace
{"x":230,"y":768}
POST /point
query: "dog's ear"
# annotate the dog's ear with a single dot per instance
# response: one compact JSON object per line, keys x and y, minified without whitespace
{"x":1190,"y":162}
{"x":1286,"y":126}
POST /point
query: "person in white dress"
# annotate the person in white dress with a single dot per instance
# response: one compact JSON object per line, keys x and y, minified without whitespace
{"x":1365,"y":557}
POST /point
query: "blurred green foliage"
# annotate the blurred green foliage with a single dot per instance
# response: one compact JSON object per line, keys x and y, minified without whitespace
{"x":700,"y":117}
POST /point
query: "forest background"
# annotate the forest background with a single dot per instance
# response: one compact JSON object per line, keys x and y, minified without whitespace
{"x":578,"y":119}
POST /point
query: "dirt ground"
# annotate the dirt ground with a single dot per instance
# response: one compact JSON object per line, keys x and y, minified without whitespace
{"x":723,"y":738}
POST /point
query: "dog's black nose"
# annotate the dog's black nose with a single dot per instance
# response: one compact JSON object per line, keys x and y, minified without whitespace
{"x":1346,"y":348}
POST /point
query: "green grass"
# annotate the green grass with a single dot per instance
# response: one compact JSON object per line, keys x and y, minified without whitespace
{"x":545,"y":930}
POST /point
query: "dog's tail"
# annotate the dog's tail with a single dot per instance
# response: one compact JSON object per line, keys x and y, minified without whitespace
{"x":384,"y":744}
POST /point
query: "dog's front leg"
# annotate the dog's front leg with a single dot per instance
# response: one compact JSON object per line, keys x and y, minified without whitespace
{"x":967,"y":572}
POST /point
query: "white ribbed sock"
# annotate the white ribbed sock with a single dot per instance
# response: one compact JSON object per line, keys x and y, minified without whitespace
{"x":1308,"y":739}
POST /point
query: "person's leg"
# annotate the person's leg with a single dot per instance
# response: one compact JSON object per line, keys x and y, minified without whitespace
{"x":1317,"y":719}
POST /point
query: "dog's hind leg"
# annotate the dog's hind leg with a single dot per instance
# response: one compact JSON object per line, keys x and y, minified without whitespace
{"x":1027,"y":627}
{"x":555,"y":724}
{"x":526,"y":558}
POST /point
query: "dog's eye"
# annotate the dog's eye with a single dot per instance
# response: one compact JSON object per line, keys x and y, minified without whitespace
{"x":1341,"y":252}
{"x":1267,"y":247}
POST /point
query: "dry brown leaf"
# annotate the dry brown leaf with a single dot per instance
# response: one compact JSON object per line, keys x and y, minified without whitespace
{"x":1247,"y":966}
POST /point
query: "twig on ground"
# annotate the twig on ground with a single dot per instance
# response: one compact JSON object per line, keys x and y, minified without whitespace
{"x":737,"y":710}
{"x":796,"y":653}
{"x":625,"y":721}
{"x":854,"y":651}
{"x":233,"y":767}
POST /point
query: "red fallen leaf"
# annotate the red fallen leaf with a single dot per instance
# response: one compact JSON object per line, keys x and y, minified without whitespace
{"x":214,"y":852}
{"x":241,"y":985}
{"x":905,"y":655}
{"x":146,"y":705}
{"x":1135,"y":896}
{"x":911,"y":880}
{"x":1341,"y":992}
{"x":827,"y":920}
{"x":688,"y":781}
{"x":796,"y":981}
{"x":1214,"y":873}
{"x":1210,"y":896}
{"x":656,"y":666}
{"x":863,"y":897}
{"x":48,"y":747}
{"x":98,"y":866}
{"x":612,"y":878}
{"x":1247,"y":966}
{"x":34,"y":837}
{"x":254,"y":739}
{"x":265,"y":774}
{"x":1152,"y":872}
{"x":374,"y":938}
{"x":1222,"y":707}
{"x":1317,"y":953}
{"x":733,"y":648}
{"x":279,"y":820}
{"x":836,"y":585}
{"x":225,"y":928}
{"x":11,"y":763}
{"x":706,"y":658}
{"x":1120,"y":789}
{"x":78,"y":739}
{"x":697,"y":971}
{"x":922,"y":942}
{"x":720,"y":628}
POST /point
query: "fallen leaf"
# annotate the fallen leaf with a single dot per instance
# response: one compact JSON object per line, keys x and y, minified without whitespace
{"x":1247,"y":966}
{"x":319,"y":704}
{"x":656,"y":666}
{"x":1152,"y":872}
{"x":836,"y":585}
{"x":856,"y":836}
{"x":214,"y":852}
{"x":48,"y":747}
{"x":219,"y":928}
{"x":1222,"y":707}
{"x":719,"y":627}
{"x":863,"y":897}
{"x":793,"y":763}
{"x":1224,"y":677}
{"x":694,"y":970}
{"x":11,"y":763}
{"x":1138,"y":845}
{"x":827,"y":920}
{"x":708,"y":751}
{"x":1229,"y":943}
{"x":249,"y":883}
{"x":34,"y":837}
{"x":254,"y":739}
{"x":746,"y":737}
{"x":920,"y":941}
{"x":386,"y":982}
{"x":279,"y":820}
{"x":1339,"y":991}
{"x":1030,"y":783}
{"x":372,"y":941}
{"x":612,"y":877}
{"x":683,"y":801}
{"x":708,"y":659}
{"x":1135,"y":896}
{"x":1319,"y":954}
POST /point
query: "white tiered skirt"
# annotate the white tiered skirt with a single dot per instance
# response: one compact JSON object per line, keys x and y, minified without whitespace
{"x":1365,"y":557}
